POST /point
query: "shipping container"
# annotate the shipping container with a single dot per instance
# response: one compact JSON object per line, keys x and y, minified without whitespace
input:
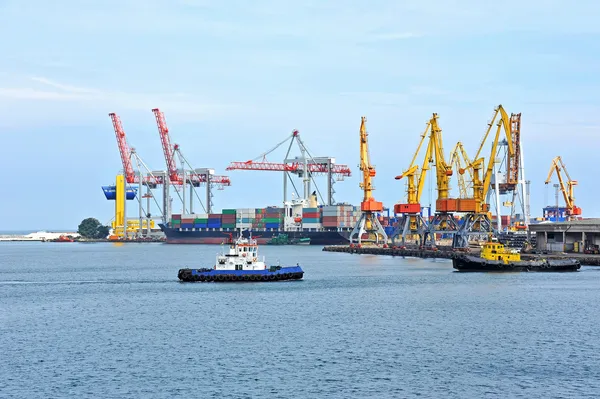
{"x":176,"y":216}
{"x":310,"y":220}
{"x":214,"y":216}
{"x":309,"y":210}
{"x":271,"y":220}
{"x":312,"y":225}
{"x":187,"y":225}
{"x":200,"y":225}
{"x":311,"y":215}
{"x":198,"y":220}
{"x":187,"y":221}
{"x":229,"y":212}
{"x":272,"y":225}
{"x":228,"y":225}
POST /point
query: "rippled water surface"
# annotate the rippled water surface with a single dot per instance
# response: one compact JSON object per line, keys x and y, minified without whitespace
{"x":108,"y":321}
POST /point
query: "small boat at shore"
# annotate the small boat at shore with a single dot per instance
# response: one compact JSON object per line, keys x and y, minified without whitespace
{"x":495,"y":257}
{"x":241,"y":264}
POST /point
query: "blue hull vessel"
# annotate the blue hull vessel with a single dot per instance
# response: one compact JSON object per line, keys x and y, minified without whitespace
{"x":241,"y":264}
{"x":274,"y":273}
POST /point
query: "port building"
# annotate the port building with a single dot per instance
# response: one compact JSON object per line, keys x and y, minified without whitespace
{"x":567,"y":236}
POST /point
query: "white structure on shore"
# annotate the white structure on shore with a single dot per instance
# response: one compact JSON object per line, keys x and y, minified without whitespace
{"x":37,"y":236}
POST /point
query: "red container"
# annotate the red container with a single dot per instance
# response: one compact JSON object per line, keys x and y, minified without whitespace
{"x":214,"y":216}
{"x":176,"y":217}
{"x":311,"y":215}
{"x":187,"y":221}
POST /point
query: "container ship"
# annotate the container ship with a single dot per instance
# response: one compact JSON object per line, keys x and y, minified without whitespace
{"x":300,"y":220}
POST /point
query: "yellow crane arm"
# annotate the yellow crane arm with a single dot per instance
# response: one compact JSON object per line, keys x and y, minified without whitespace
{"x":443,"y":170}
{"x":365,"y":164}
{"x":556,"y":166}
{"x":415,"y":189}
{"x":455,"y":160}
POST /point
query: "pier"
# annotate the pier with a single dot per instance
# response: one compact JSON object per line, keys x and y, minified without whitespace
{"x":448,"y":253}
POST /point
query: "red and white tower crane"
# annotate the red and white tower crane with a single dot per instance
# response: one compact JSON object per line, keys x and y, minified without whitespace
{"x":306,"y":166}
{"x":181,"y":177}
{"x":150,"y":180}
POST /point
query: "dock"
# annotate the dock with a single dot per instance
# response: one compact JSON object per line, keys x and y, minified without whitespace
{"x":448,"y":253}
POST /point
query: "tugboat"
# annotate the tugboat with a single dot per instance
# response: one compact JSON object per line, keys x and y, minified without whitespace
{"x":241,"y":263}
{"x":495,"y":257}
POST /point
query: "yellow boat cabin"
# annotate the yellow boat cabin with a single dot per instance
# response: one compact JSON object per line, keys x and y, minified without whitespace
{"x":493,"y":250}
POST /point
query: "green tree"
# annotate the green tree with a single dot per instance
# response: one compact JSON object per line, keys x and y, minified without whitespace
{"x":92,"y":228}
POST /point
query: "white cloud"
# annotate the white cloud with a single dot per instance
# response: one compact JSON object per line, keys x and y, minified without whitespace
{"x":176,"y":103}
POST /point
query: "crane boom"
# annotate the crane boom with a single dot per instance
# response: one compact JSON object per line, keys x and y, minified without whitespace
{"x":289,"y":167}
{"x":126,"y":153}
{"x":124,"y":149}
{"x":369,"y":204}
{"x":415,"y":189}
{"x":168,"y":149}
{"x":455,"y":159}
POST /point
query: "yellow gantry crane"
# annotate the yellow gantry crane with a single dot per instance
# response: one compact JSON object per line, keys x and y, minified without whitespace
{"x":477,"y":218}
{"x":411,"y":221}
{"x":567,"y":190}
{"x":443,"y":220}
{"x":368,"y":223}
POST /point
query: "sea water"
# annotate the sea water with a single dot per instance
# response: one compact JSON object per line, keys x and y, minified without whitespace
{"x":103,"y":320}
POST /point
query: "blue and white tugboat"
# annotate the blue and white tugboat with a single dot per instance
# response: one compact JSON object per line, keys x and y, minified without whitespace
{"x":241,"y":263}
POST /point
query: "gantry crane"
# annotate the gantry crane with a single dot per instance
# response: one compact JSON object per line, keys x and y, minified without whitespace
{"x":306,"y":166}
{"x":368,"y":222}
{"x":182,"y":177}
{"x":476,"y":220}
{"x":443,"y":220}
{"x":120,"y":193}
{"x":567,"y":190}
{"x":411,"y":223}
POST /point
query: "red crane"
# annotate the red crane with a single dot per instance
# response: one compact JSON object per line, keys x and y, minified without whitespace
{"x":294,"y":167}
{"x":169,"y":151}
{"x":314,"y":165}
{"x":130,"y":176}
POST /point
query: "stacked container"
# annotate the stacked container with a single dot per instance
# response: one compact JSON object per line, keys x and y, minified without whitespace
{"x":311,"y":218}
{"x":340,"y":216}
{"x":244,"y":218}
{"x":201,"y":221}
{"x":259,"y":216}
{"x":273,"y":218}
{"x":175,"y":221}
{"x":228,"y":218}
{"x":214,"y":221}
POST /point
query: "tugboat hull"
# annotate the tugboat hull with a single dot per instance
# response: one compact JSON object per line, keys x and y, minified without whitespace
{"x":211,"y":275}
{"x":468,"y":263}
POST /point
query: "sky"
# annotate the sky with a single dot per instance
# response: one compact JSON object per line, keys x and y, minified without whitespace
{"x":235,"y":77}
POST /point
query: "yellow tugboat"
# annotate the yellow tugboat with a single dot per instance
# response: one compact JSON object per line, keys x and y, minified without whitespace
{"x":495,"y":257}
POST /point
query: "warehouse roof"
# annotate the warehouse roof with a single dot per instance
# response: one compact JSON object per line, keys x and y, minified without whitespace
{"x":585,"y":225}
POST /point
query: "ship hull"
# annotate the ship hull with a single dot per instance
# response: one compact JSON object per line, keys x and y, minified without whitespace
{"x":467,"y":263}
{"x":218,"y":236}
{"x":223,"y":276}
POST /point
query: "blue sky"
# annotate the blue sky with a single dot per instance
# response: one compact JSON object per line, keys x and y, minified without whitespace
{"x":236,"y":77}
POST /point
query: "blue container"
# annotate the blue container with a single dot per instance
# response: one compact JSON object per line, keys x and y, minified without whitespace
{"x":110,"y":192}
{"x":389,"y":230}
{"x":272,"y":225}
{"x":200,"y":225}
{"x":214,"y":221}
{"x":187,"y":225}
{"x":213,"y":225}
